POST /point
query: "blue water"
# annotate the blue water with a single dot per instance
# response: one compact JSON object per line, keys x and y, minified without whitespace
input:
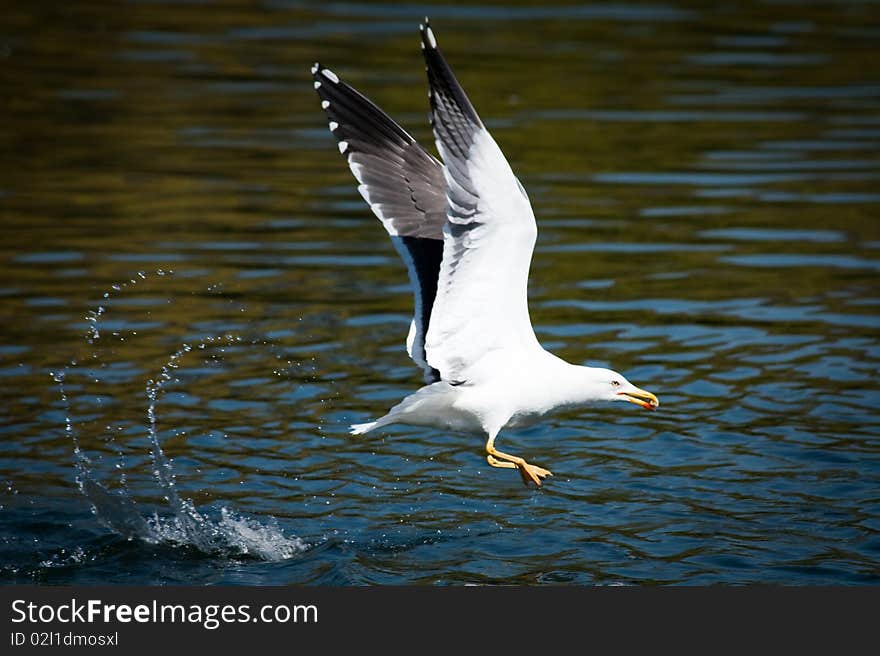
{"x":197,"y":303}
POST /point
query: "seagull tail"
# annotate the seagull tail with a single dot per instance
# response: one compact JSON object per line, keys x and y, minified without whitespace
{"x":360,"y":429}
{"x":421,"y":408}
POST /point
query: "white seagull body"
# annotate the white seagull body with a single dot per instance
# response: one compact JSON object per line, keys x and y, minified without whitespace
{"x":466,"y":230}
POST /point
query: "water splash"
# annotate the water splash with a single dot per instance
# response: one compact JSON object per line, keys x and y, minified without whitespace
{"x":230,"y":534}
{"x":223,"y":532}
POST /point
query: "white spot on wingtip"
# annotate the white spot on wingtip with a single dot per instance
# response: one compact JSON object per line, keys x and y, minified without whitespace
{"x":333,"y":125}
{"x":314,"y":68}
{"x":317,"y":84}
{"x":330,"y":75}
{"x":431,"y":39}
{"x":325,"y":104}
{"x":343,"y":146}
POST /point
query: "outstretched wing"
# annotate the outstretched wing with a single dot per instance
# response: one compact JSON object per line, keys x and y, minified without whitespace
{"x":401,"y":182}
{"x":481,"y":305}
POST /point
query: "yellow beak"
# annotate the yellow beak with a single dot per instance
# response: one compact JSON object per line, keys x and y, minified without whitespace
{"x":641,"y":397}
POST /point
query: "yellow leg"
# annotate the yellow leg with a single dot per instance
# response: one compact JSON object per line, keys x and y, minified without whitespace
{"x":529,"y":473}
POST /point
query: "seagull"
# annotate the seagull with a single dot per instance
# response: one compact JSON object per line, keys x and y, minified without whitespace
{"x":465,"y":229}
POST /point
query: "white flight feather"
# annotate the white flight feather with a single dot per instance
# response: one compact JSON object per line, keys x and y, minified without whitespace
{"x":481,"y":310}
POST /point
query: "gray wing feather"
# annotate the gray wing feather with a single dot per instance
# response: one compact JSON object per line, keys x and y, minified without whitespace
{"x":402,"y":183}
{"x":400,"y":180}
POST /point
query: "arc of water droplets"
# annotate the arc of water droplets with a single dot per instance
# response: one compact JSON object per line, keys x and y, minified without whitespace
{"x":82,"y":463}
{"x":93,"y":334}
{"x":94,"y":316}
{"x":162,"y":467}
{"x":188,"y":525}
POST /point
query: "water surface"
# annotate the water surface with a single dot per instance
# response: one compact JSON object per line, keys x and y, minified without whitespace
{"x":196,"y":302}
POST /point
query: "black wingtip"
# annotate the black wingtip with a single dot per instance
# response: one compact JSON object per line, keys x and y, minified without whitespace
{"x":428,"y":40}
{"x":323,"y":74}
{"x":444,"y":88}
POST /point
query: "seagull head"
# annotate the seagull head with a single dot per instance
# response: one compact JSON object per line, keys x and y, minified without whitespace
{"x":608,"y":385}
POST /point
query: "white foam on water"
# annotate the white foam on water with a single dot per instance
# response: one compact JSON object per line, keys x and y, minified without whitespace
{"x":232,"y":534}
{"x":65,"y":558}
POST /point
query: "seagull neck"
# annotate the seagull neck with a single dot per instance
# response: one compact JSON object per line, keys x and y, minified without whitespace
{"x":569,"y":384}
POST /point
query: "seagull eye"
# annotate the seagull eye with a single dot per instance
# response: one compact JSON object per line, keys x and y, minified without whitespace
{"x":615,"y":383}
